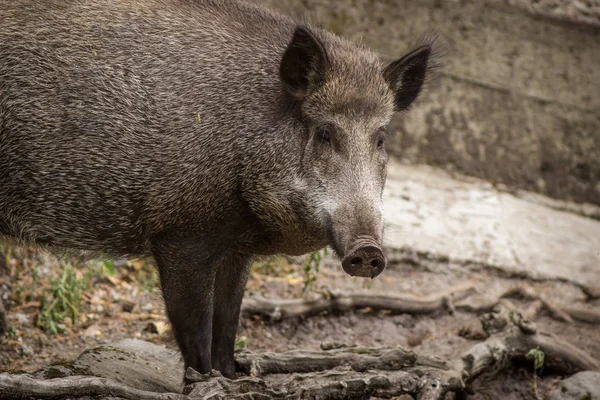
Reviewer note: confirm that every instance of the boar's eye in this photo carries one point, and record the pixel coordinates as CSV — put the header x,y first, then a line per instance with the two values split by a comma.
x,y
325,133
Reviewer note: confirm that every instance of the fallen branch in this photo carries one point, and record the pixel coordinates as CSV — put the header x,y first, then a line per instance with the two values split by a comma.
x,y
23,386
341,301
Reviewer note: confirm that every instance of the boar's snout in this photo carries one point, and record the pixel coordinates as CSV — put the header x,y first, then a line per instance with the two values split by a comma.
x,y
364,259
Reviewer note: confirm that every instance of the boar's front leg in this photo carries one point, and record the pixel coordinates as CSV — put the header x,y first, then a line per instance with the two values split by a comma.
x,y
187,268
232,276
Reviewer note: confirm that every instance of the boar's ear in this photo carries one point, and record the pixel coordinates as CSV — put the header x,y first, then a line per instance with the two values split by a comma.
x,y
406,76
304,63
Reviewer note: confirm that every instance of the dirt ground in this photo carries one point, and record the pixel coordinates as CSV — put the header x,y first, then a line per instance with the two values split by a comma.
x,y
128,305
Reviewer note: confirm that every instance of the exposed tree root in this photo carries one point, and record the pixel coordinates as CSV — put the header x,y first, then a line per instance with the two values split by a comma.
x,y
564,314
331,385
359,359
341,301
584,315
511,337
23,386
399,371
527,292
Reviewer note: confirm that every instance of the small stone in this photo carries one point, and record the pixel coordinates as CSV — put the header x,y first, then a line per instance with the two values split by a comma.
x,y
42,339
127,306
93,331
148,307
26,350
110,310
158,327
93,316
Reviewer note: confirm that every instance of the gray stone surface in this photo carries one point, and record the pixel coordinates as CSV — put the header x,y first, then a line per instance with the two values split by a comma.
x,y
581,386
428,210
518,100
135,363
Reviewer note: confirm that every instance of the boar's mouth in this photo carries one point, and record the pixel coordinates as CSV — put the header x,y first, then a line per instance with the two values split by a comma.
x,y
362,256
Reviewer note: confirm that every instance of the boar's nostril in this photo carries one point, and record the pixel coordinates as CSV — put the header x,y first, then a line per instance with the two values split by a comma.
x,y
356,261
375,264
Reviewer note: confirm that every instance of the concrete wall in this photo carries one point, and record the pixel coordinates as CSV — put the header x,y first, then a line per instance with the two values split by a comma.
x,y
518,100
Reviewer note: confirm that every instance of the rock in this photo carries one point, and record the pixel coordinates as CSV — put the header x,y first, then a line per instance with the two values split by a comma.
x,y
42,339
470,220
135,363
581,386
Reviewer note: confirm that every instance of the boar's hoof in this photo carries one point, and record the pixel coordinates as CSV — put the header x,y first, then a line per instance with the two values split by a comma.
x,y
366,259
